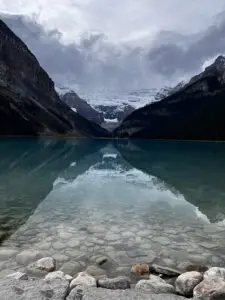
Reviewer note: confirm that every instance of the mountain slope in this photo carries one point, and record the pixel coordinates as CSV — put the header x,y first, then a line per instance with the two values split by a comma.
x,y
82,107
29,104
195,112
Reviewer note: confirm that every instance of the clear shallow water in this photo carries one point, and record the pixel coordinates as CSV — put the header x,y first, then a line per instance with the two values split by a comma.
x,y
130,201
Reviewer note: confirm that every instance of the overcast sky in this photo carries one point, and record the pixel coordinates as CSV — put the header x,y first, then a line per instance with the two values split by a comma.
x,y
148,42
120,19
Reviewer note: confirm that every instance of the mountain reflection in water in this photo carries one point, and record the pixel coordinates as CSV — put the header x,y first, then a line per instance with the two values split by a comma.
x,y
132,201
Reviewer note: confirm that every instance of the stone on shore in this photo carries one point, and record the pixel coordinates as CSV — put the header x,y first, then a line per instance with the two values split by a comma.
x,y
119,283
186,283
46,264
140,269
58,275
83,279
212,288
18,276
215,272
88,293
155,285
33,289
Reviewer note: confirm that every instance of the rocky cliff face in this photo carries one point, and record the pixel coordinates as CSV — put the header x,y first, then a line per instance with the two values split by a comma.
x,y
29,104
114,112
195,112
82,107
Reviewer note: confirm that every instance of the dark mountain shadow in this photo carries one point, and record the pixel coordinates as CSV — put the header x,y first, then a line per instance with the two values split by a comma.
x,y
196,170
28,171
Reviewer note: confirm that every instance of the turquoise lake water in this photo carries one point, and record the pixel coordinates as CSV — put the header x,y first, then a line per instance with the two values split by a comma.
x,y
132,201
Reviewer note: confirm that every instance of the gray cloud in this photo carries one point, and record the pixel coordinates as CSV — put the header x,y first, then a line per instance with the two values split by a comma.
x,y
97,63
172,58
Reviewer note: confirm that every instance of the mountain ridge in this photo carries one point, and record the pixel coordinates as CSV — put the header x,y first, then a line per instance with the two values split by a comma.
x,y
29,104
194,112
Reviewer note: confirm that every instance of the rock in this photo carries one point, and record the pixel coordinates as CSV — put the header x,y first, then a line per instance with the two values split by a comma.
x,y
18,276
188,267
71,268
215,272
161,240
155,285
197,259
112,237
122,271
119,283
33,289
44,246
210,289
6,253
140,269
46,263
61,258
95,271
83,279
83,108
32,271
27,256
101,260
136,253
58,275
186,283
87,293
58,245
163,270
73,243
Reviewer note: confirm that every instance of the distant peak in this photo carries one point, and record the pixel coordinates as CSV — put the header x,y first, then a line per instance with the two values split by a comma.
x,y
220,59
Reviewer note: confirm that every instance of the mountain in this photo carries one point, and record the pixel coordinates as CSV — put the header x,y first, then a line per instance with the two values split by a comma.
x,y
109,116
114,115
29,104
194,112
114,112
82,107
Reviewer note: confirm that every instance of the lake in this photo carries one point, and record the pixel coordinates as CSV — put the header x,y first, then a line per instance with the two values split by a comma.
x,y
129,201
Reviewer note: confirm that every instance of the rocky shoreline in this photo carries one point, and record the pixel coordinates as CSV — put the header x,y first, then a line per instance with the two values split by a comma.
x,y
41,279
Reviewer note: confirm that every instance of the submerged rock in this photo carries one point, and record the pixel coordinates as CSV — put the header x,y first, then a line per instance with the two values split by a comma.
x,y
186,283
154,268
83,279
155,285
27,256
119,283
72,268
95,271
189,267
140,269
6,253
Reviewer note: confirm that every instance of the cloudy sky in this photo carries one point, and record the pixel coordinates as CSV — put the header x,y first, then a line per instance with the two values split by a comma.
x,y
120,44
